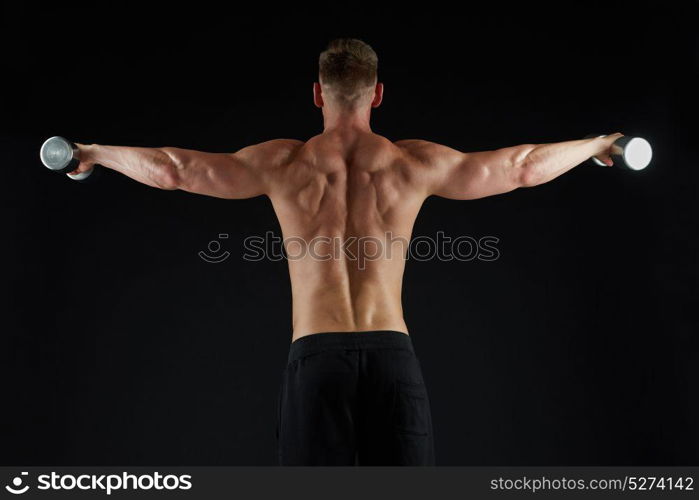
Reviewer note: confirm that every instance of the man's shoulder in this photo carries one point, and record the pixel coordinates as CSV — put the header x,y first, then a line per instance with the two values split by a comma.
x,y
277,145
415,145
419,149
272,153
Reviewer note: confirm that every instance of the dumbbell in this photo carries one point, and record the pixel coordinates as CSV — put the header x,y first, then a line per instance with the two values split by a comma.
x,y
631,152
62,156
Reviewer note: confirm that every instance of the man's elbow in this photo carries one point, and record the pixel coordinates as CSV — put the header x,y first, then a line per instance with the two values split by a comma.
x,y
168,179
528,173
167,173
528,176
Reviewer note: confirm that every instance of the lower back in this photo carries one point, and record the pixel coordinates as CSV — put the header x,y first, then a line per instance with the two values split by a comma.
x,y
335,296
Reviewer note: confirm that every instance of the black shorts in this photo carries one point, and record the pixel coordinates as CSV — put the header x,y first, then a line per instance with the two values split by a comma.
x,y
354,399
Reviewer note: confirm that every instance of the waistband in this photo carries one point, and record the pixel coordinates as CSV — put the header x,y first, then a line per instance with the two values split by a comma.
x,y
377,339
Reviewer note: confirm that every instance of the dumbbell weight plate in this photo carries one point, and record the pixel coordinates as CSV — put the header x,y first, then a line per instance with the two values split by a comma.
x,y
635,151
59,155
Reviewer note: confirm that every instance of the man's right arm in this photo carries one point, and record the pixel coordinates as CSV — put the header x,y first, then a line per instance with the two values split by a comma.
x,y
452,174
244,174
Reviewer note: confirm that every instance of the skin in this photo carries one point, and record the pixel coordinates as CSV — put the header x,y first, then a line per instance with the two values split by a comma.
x,y
344,184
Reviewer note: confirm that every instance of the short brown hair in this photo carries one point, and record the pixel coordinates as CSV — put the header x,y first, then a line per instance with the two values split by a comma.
x,y
348,66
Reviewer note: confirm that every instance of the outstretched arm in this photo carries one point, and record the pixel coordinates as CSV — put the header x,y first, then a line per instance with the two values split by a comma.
x,y
244,174
452,174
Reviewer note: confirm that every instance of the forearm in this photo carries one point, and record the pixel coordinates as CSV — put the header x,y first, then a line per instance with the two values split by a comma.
x,y
544,162
151,166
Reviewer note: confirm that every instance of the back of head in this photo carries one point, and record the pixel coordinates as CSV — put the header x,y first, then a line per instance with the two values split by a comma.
x,y
348,70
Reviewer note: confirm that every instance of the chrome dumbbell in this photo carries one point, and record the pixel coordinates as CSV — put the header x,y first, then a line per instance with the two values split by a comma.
x,y
634,153
62,156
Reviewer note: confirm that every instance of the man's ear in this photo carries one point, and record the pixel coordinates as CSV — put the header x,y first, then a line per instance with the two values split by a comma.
x,y
317,95
378,96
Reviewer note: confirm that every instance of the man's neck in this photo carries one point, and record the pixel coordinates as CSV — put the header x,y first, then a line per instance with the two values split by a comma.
x,y
344,119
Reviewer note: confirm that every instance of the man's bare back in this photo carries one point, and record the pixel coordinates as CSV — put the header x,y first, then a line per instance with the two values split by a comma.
x,y
342,200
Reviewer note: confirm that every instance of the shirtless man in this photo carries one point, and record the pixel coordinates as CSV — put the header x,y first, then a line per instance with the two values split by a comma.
x,y
352,392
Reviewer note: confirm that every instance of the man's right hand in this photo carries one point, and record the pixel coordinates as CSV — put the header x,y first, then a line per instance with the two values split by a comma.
x,y
86,162
605,147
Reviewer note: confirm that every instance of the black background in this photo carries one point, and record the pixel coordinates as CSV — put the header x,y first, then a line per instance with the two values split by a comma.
x,y
578,346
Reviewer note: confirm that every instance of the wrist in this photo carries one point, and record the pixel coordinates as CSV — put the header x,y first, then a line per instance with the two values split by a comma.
x,y
86,152
600,145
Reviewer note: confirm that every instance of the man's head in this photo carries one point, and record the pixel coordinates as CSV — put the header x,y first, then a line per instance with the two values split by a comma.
x,y
348,75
